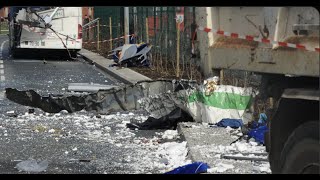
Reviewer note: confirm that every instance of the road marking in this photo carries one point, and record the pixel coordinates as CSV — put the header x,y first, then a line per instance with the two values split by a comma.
x,y
1,71
1,61
1,48
1,95
2,78
1,66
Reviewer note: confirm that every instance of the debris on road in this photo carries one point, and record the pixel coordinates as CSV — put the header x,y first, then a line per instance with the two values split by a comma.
x,y
169,121
220,168
12,114
244,158
32,166
193,168
132,55
233,123
88,87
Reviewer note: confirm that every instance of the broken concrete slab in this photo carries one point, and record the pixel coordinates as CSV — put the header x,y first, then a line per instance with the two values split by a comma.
x,y
88,87
210,144
104,101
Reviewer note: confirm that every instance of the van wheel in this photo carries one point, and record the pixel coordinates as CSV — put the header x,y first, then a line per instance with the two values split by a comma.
x,y
300,154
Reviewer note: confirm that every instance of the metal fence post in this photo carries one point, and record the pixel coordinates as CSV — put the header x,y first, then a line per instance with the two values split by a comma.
x,y
98,35
147,31
178,51
110,30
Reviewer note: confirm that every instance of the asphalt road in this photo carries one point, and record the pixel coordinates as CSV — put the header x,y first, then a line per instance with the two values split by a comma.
x,y
29,136
49,77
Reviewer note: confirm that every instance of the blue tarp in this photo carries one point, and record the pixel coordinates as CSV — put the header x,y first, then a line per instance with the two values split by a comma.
x,y
233,123
193,168
258,133
259,129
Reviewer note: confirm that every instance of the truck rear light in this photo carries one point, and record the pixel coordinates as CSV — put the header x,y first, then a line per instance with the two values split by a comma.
x,y
79,31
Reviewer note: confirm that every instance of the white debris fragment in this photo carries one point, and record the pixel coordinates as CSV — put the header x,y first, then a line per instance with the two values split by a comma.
x,y
32,166
229,128
10,112
239,134
5,134
66,152
50,82
220,168
131,114
205,124
263,168
63,89
217,155
75,149
52,131
253,143
107,128
170,134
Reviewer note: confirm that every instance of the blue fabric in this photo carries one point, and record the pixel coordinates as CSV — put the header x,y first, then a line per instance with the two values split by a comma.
x,y
193,168
262,118
233,123
258,133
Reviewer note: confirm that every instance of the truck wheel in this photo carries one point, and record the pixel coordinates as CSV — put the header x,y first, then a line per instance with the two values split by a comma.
x,y
300,154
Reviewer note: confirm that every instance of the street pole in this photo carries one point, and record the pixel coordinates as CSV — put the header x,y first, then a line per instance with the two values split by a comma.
x,y
126,24
178,51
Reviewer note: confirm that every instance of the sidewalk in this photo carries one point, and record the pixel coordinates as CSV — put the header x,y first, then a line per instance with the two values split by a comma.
x,y
125,75
208,144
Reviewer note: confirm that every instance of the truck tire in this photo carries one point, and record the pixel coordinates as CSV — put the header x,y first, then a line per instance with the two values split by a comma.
x,y
300,154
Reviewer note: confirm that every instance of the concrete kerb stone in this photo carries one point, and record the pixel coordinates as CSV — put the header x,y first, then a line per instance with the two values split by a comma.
x,y
105,69
111,71
183,137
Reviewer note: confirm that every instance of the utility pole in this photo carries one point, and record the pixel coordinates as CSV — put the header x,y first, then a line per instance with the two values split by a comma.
x,y
126,24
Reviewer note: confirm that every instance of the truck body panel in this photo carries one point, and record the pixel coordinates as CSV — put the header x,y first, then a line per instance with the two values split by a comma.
x,y
221,52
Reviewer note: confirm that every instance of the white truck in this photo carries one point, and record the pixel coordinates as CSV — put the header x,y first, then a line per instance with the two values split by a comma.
x,y
50,29
282,45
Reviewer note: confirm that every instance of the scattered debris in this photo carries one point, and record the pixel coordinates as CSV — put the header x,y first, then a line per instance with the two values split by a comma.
x,y
32,166
220,168
244,158
194,168
233,123
12,114
169,121
170,134
131,55
88,87
52,131
31,111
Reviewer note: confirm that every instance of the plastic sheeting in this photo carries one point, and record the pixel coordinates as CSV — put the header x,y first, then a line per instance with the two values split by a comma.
x,y
194,168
